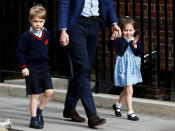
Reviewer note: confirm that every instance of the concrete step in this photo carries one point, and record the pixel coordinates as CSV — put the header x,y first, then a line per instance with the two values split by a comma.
x,y
58,83
140,105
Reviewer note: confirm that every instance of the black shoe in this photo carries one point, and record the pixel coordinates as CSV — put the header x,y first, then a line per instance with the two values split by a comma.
x,y
35,125
40,119
67,113
117,113
133,118
95,120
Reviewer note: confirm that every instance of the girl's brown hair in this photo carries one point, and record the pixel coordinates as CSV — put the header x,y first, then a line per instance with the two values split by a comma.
x,y
127,20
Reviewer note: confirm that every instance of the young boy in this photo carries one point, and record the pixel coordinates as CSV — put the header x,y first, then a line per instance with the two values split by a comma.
x,y
33,55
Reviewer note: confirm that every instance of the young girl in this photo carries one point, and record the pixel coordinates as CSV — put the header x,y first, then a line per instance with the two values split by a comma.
x,y
127,68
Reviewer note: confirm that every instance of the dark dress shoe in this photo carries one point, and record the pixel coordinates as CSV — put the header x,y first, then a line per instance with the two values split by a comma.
x,y
117,113
40,119
133,118
67,113
95,120
35,124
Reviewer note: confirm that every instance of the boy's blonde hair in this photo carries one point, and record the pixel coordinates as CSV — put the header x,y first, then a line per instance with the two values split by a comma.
x,y
38,11
127,20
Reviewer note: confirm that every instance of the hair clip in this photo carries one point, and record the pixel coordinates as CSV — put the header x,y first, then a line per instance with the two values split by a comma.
x,y
34,3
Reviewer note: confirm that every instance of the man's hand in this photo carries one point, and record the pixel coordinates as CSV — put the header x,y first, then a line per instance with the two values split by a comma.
x,y
64,38
116,30
114,35
25,72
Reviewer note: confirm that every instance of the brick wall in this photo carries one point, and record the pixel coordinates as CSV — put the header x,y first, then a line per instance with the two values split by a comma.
x,y
153,29
151,34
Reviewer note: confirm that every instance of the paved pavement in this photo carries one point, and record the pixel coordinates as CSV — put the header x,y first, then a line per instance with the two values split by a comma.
x,y
17,109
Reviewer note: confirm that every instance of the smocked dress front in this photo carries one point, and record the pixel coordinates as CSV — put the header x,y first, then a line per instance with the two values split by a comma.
x,y
127,69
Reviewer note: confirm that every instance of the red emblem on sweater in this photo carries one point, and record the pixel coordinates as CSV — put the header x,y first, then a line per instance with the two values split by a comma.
x,y
46,42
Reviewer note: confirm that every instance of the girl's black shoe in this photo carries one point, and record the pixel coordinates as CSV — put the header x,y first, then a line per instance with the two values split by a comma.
x,y
117,113
133,117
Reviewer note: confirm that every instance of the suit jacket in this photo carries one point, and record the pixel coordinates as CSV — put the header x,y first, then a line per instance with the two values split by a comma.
x,y
121,45
69,11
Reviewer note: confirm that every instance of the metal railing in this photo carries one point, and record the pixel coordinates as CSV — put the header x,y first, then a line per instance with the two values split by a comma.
x,y
15,22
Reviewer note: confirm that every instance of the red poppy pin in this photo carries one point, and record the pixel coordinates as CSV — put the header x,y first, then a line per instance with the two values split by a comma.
x,y
46,42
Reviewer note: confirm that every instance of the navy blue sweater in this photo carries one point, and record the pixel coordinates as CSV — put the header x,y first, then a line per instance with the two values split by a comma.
x,y
33,50
121,44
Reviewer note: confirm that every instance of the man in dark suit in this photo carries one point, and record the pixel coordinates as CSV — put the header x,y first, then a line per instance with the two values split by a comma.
x,y
78,22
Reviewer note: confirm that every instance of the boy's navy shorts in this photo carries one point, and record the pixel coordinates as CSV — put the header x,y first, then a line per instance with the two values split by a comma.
x,y
39,79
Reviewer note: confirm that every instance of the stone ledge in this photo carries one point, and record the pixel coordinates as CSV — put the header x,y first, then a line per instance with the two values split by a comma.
x,y
140,105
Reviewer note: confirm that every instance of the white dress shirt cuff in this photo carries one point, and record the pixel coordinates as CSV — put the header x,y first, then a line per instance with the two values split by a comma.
x,y
63,29
113,24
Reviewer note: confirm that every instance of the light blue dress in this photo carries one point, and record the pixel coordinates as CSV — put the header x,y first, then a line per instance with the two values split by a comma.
x,y
127,69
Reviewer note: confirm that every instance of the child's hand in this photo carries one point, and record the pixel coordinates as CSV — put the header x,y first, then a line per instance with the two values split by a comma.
x,y
25,72
135,41
114,35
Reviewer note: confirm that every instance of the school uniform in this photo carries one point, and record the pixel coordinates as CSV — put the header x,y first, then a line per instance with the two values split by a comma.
x,y
128,62
33,53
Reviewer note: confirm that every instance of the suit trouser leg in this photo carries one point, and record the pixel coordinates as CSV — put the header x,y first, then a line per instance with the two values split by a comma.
x,y
83,42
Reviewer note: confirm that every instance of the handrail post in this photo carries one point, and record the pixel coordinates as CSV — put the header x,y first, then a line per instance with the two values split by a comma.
x,y
1,77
